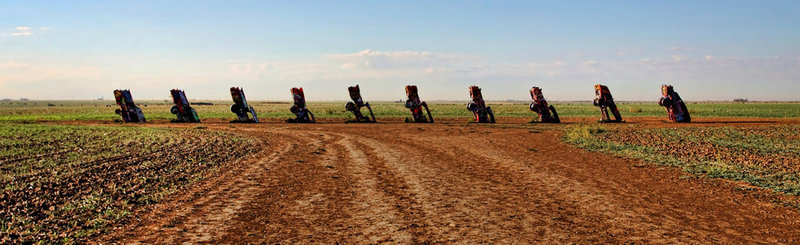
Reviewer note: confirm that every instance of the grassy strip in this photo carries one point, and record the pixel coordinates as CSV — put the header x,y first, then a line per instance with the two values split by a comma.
x,y
591,137
16,111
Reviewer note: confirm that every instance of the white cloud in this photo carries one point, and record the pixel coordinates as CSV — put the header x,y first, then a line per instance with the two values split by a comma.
x,y
26,31
392,59
677,58
365,64
393,54
546,65
12,65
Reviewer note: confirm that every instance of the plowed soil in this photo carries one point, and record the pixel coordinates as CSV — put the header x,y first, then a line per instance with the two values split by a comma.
x,y
455,182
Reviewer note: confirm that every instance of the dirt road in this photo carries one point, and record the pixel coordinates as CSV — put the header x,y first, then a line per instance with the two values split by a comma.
x,y
452,182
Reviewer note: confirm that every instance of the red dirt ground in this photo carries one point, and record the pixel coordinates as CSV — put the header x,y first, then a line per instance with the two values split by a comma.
x,y
455,182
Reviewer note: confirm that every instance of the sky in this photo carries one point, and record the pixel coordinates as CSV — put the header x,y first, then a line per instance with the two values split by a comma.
x,y
709,50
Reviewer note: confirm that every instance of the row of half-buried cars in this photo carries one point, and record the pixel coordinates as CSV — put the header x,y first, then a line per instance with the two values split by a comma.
x,y
676,108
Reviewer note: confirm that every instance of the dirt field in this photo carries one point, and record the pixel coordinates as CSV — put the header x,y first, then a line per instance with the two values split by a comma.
x,y
454,182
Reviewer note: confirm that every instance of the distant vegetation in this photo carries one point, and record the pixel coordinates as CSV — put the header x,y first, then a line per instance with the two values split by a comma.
x,y
159,111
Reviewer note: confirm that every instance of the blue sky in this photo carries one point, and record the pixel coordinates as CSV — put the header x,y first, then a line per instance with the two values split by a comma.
x,y
710,50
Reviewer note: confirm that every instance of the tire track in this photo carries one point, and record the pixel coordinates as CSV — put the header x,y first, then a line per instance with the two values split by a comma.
x,y
575,198
461,184
304,198
391,214
212,205
339,194
460,195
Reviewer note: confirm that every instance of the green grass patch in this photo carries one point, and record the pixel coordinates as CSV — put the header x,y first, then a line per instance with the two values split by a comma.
x,y
31,111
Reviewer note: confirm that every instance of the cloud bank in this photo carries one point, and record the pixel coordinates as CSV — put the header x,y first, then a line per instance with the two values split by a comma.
x,y
697,77
441,76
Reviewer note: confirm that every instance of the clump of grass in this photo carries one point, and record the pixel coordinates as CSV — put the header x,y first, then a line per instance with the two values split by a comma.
x,y
584,134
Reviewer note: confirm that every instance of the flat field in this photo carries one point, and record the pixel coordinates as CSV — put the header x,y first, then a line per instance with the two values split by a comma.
x,y
33,111
71,173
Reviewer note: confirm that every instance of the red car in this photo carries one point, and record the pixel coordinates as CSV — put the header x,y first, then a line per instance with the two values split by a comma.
x,y
482,113
676,109
415,105
299,108
127,108
241,108
605,101
356,105
182,109
547,113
